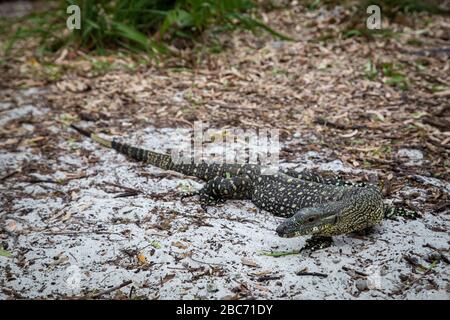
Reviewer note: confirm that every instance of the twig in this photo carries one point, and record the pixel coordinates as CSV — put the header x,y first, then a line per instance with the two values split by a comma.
x,y
278,254
345,268
122,187
325,122
208,263
409,285
268,277
132,289
129,192
314,274
429,245
8,175
74,233
241,220
13,293
439,251
120,286
37,180
413,261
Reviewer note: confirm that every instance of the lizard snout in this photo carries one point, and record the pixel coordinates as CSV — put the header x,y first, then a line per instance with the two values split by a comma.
x,y
286,229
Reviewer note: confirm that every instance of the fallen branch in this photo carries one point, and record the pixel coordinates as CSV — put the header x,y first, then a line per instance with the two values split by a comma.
x,y
129,192
325,122
345,268
266,278
8,175
314,274
278,254
107,291
208,263
75,233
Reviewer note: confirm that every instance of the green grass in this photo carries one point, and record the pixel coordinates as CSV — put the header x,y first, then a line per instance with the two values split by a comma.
x,y
389,71
357,31
136,25
278,254
393,76
102,66
370,70
414,42
394,7
155,244
389,10
4,253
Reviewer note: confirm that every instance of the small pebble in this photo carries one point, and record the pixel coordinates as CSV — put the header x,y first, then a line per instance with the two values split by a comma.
x,y
362,284
210,287
403,277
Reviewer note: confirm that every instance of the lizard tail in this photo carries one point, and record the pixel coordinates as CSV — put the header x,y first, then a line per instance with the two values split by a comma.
x,y
93,136
159,160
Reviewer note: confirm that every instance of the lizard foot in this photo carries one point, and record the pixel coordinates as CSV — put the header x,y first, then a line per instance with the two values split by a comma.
x,y
317,243
208,200
392,213
189,195
204,198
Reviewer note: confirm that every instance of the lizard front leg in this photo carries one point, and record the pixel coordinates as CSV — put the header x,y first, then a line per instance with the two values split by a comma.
x,y
220,189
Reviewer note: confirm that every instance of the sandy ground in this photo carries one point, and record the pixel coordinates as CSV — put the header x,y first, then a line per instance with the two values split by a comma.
x,y
101,220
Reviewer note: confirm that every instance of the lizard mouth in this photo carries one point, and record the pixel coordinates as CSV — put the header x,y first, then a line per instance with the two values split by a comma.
x,y
289,235
289,229
284,233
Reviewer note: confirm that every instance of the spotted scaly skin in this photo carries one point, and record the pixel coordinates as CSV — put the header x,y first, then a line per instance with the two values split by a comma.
x,y
312,204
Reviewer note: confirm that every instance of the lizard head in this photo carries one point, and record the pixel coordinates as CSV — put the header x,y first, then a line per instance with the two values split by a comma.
x,y
309,221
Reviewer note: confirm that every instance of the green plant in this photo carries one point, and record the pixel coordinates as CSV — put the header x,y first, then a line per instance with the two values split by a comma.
x,y
138,25
414,42
359,31
393,7
393,76
370,70
389,71
151,24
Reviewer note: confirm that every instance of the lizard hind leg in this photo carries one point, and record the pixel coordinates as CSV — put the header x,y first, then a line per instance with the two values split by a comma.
x,y
392,212
220,189
205,198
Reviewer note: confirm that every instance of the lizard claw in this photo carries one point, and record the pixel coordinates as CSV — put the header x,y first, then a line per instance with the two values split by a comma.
x,y
188,195
317,243
205,199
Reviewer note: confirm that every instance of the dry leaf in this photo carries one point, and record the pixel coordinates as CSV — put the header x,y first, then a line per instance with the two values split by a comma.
x,y
10,225
66,217
142,259
349,135
179,245
167,278
249,263
61,259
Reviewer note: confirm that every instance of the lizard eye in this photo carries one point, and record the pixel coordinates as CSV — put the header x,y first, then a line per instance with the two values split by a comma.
x,y
311,219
